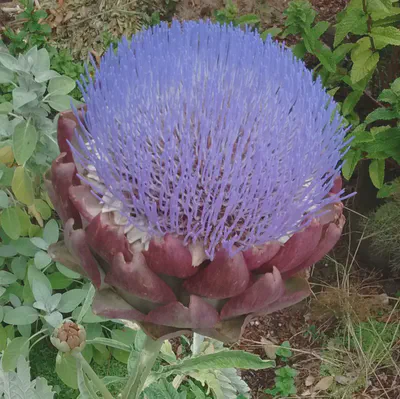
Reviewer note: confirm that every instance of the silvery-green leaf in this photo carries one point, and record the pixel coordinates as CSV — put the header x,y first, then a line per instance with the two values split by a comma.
x,y
21,315
7,278
41,291
25,330
8,61
60,102
32,56
43,390
24,246
42,64
70,300
6,76
42,259
40,306
40,243
61,85
6,107
18,266
6,128
22,97
2,291
67,272
51,232
15,301
53,302
41,77
3,199
23,64
36,275
1,312
24,141
54,319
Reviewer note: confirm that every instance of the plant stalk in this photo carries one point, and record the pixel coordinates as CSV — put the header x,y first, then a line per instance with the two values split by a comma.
x,y
148,356
97,381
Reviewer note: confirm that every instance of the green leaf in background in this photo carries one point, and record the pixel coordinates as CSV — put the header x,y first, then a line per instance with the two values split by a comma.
x,y
22,186
17,347
61,85
36,275
354,21
59,281
24,221
381,114
6,76
24,246
70,300
364,60
22,97
18,266
220,360
6,107
67,272
274,31
41,291
42,208
377,172
350,102
60,102
10,223
3,199
112,343
384,36
163,389
7,278
21,315
87,304
125,336
42,259
25,138
42,63
66,370
3,338
39,243
51,232
351,159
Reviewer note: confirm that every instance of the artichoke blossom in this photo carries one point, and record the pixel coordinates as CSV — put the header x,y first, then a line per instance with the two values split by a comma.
x,y
200,181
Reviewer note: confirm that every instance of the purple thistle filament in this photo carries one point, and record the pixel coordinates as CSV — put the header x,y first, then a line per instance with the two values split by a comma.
x,y
208,132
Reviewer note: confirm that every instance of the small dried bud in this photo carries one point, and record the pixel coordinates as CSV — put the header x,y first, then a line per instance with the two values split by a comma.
x,y
69,337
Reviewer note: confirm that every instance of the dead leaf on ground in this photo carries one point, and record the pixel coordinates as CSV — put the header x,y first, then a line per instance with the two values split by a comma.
x,y
324,384
269,348
309,381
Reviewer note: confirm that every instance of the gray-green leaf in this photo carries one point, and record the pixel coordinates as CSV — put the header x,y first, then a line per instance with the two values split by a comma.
x,y
22,97
61,85
25,138
22,315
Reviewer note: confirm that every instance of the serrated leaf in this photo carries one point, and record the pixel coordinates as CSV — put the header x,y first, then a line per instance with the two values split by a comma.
x,y
351,159
381,114
10,223
350,102
384,36
22,315
25,138
388,96
364,63
354,21
221,360
22,186
377,172
163,390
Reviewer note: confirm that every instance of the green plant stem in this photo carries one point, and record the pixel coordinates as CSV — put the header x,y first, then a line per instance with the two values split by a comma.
x,y
148,356
98,383
369,23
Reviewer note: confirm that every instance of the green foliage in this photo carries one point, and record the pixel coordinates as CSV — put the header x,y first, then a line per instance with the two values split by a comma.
x,y
230,15
284,376
34,31
363,29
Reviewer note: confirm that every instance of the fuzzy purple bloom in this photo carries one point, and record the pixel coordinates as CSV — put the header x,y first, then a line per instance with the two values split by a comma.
x,y
207,132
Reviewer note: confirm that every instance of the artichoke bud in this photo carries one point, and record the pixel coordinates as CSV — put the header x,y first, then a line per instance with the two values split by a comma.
x,y
69,337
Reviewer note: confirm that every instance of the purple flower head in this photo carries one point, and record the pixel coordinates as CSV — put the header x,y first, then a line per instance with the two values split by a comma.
x,y
207,132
